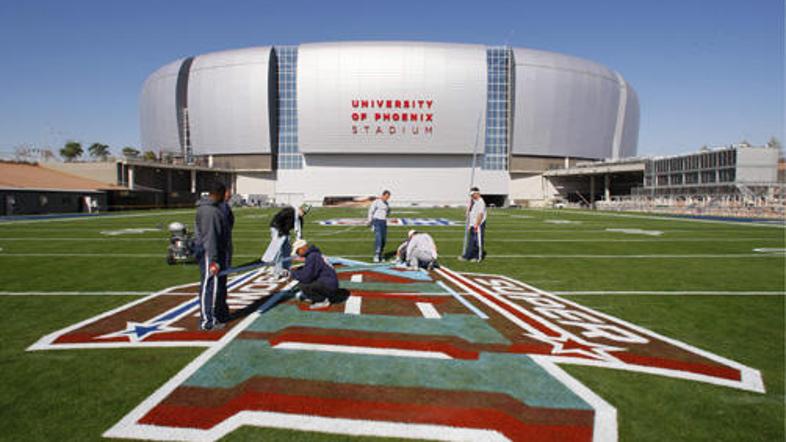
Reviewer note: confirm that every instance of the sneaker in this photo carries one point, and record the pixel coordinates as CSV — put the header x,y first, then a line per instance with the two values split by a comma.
x,y
299,296
216,326
461,258
376,259
319,305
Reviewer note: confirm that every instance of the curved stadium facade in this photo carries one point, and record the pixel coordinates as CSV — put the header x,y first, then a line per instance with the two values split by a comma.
x,y
301,123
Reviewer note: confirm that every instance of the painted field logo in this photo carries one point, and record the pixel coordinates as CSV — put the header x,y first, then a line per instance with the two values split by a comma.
x,y
438,355
394,222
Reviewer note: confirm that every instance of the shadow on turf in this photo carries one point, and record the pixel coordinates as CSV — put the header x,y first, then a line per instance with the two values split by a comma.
x,y
260,304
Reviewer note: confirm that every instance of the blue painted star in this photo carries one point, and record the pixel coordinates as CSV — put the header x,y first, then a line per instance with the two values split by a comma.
x,y
138,331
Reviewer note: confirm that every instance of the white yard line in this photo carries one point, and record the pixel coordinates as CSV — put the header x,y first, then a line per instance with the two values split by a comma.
x,y
103,293
101,217
457,238
680,218
353,304
598,240
428,311
671,293
362,350
555,256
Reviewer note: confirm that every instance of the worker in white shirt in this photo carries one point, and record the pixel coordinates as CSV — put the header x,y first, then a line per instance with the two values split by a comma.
x,y
421,251
378,220
476,223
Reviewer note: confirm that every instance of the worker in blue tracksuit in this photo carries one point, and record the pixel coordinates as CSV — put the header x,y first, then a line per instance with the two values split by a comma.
x,y
317,279
212,239
226,211
378,220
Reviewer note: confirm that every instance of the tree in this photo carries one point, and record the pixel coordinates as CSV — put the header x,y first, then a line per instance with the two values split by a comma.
x,y
774,142
23,152
47,155
99,151
71,150
130,152
149,156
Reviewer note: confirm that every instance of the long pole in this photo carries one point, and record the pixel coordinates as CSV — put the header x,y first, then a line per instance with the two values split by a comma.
x,y
471,184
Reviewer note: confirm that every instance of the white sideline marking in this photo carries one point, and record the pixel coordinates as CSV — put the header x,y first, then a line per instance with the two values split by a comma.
x,y
670,293
770,250
73,293
680,218
428,311
101,217
605,425
352,306
362,350
637,232
357,277
561,221
129,231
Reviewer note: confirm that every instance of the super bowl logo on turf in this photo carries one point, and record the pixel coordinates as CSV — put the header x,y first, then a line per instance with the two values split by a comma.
x,y
432,355
424,222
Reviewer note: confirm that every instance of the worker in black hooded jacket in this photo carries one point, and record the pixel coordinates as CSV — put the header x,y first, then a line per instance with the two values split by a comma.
x,y
287,219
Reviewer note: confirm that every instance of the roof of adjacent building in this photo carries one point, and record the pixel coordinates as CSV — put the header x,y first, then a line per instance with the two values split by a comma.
x,y
27,176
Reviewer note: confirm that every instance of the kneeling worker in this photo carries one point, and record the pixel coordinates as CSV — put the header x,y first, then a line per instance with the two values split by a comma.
x,y
318,282
421,250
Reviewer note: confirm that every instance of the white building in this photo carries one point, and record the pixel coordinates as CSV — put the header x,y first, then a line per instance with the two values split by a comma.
x,y
301,123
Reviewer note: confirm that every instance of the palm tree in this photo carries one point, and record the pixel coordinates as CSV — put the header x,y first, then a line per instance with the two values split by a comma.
x,y
99,151
130,152
71,150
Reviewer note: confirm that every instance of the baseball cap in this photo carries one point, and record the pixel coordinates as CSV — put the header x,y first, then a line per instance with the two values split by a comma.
x,y
298,244
410,233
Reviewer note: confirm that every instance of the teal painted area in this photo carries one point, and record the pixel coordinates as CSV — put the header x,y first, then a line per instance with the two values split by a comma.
x,y
391,287
385,269
515,375
468,327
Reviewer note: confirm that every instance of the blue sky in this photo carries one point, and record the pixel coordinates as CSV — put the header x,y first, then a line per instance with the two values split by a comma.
x,y
707,72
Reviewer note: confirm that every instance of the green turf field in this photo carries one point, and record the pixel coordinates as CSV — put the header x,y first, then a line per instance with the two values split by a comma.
x,y
699,282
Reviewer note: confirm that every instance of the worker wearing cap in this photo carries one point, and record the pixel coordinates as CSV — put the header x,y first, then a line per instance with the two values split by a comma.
x,y
318,282
378,220
421,251
476,224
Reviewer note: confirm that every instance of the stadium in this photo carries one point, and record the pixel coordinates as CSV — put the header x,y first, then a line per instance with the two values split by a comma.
x,y
326,120
657,315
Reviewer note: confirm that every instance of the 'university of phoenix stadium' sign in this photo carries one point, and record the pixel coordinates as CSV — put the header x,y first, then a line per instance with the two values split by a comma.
x,y
390,117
